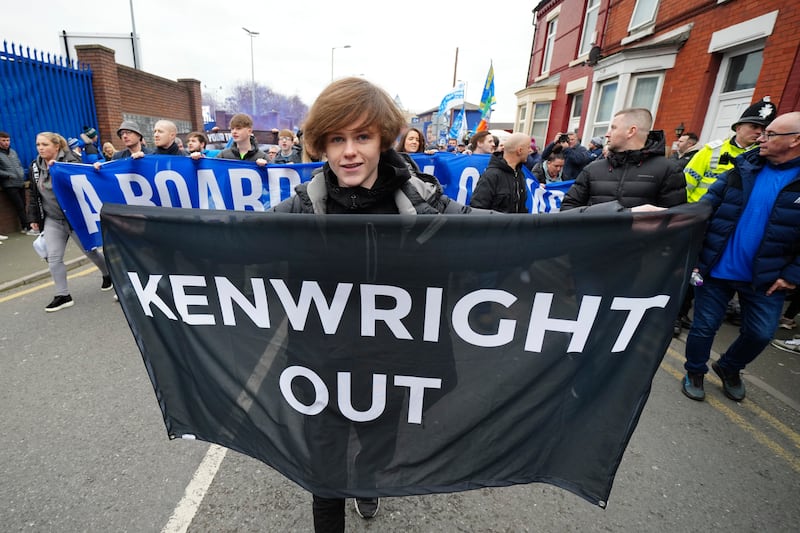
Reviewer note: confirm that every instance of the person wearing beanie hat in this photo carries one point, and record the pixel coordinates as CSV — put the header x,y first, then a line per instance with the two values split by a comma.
x,y
290,153
596,148
76,147
534,158
91,153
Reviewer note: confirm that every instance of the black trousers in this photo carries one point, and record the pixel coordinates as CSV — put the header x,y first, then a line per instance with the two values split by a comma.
x,y
328,515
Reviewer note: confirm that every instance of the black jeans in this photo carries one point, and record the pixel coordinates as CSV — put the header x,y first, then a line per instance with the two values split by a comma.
x,y
328,514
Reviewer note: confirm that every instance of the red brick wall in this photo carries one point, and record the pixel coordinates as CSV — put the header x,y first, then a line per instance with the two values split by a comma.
x,y
567,42
688,86
121,90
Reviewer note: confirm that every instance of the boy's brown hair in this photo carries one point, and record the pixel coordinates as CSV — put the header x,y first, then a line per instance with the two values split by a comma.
x,y
241,120
350,101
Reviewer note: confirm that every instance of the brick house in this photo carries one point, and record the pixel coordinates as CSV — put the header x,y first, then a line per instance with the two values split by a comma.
x,y
696,64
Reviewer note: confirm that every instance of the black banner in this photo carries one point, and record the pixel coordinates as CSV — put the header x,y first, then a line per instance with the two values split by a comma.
x,y
394,355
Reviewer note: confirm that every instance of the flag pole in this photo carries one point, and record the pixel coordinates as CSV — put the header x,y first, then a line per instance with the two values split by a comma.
x,y
455,68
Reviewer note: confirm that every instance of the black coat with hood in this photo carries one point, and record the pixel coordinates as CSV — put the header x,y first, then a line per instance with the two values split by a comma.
x,y
500,187
632,177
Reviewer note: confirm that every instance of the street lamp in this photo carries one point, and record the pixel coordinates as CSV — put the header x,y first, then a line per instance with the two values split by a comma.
x,y
252,68
332,49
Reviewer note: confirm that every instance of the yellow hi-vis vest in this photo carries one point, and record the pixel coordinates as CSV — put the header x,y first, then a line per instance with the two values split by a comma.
x,y
703,168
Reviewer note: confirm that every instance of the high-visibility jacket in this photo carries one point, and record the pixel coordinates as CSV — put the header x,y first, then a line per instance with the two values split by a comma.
x,y
709,162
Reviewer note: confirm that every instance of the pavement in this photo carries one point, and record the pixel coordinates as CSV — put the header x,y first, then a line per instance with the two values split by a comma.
x,y
19,264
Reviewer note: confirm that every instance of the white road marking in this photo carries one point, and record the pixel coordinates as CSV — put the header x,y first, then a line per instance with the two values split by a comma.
x,y
196,490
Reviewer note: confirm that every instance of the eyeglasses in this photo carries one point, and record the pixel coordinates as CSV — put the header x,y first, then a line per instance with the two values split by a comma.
x,y
770,134
285,138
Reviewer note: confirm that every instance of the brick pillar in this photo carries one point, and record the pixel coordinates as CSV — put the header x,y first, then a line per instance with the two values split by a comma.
x,y
105,83
195,98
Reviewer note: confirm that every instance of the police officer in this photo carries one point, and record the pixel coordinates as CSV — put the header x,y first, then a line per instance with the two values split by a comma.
x,y
717,156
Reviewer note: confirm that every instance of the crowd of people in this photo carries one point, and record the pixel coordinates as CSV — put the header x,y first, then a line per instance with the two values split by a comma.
x,y
751,181
750,247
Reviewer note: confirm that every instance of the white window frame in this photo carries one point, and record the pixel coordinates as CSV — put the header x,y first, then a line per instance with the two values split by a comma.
x,y
656,56
549,43
633,84
589,34
534,121
575,115
642,5
596,125
522,113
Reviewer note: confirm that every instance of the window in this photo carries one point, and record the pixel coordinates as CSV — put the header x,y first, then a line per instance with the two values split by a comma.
x,y
644,92
522,111
589,26
605,107
743,71
549,44
575,112
541,119
643,14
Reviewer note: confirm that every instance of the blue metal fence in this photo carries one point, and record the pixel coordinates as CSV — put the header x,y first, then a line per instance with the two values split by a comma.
x,y
42,93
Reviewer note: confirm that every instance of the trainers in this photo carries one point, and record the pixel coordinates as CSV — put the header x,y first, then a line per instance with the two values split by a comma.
x,y
732,384
692,386
3,237
787,323
59,303
32,232
107,285
788,345
367,507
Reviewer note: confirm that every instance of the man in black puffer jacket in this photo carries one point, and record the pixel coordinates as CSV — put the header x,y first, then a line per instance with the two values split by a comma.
x,y
502,187
635,171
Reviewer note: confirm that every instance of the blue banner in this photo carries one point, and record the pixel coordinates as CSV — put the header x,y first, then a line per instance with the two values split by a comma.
x,y
170,181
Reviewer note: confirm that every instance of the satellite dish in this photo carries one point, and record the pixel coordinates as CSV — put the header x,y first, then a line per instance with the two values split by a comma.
x,y
594,56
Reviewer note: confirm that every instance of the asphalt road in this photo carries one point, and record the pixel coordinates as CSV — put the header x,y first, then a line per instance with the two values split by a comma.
x,y
83,448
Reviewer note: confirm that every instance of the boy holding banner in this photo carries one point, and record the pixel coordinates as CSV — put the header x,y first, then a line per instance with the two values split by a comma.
x,y
354,124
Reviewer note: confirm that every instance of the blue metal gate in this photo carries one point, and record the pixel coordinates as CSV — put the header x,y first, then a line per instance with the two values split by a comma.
x,y
39,93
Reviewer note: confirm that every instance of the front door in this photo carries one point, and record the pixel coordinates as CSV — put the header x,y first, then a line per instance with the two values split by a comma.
x,y
733,93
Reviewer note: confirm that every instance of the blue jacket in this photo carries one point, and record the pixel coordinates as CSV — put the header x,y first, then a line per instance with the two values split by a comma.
x,y
778,254
575,159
